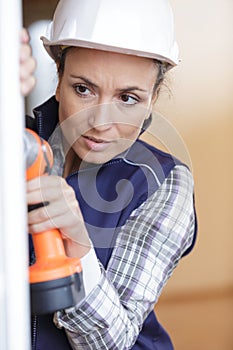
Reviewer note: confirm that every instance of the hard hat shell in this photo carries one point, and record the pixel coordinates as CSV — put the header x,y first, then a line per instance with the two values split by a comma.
x,y
139,27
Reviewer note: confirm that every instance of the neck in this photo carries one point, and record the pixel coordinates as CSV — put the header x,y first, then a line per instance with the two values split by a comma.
x,y
72,163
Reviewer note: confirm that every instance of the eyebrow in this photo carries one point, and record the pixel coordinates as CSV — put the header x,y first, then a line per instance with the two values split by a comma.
x,y
89,82
132,88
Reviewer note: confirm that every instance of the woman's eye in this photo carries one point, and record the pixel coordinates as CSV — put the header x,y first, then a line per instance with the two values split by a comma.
x,y
82,90
129,100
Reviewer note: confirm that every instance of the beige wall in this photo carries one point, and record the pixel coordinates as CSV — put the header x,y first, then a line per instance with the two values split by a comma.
x,y
201,109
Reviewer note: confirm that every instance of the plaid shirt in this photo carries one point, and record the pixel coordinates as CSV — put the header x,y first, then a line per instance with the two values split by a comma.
x,y
147,250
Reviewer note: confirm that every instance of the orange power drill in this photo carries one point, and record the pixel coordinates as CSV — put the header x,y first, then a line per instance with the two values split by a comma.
x,y
55,281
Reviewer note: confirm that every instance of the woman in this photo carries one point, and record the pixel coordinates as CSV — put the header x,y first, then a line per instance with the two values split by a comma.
x,y
123,207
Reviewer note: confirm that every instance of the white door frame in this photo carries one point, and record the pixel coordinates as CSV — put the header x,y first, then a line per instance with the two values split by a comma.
x,y
14,289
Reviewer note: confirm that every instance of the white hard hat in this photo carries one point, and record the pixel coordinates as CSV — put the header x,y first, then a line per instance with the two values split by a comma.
x,y
139,27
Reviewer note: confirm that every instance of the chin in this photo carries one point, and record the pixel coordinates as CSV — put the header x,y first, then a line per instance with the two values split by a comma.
x,y
96,160
97,157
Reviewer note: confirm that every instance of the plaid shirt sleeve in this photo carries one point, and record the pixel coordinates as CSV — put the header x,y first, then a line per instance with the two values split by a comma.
x,y
147,250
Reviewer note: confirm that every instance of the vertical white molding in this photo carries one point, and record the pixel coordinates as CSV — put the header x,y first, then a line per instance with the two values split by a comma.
x,y
14,295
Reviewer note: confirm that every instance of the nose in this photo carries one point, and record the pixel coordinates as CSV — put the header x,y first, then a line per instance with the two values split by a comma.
x,y
100,117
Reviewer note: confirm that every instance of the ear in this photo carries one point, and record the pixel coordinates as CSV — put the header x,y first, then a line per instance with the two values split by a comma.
x,y
148,119
154,97
152,102
146,123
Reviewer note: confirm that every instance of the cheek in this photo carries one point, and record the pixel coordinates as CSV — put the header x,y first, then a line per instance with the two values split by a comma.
x,y
129,132
73,122
67,100
68,108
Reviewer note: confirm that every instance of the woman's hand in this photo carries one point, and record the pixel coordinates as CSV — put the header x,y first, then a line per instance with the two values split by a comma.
x,y
62,212
27,64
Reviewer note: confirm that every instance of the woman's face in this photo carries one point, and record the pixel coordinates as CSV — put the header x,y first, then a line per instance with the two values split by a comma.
x,y
104,99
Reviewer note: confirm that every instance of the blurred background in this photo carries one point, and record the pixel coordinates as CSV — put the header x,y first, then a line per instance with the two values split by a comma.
x,y
194,120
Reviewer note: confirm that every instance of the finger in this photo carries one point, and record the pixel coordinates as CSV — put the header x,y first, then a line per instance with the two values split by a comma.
x,y
44,219
44,181
36,196
24,36
27,86
41,227
25,52
50,188
41,189
50,212
59,213
27,68
76,234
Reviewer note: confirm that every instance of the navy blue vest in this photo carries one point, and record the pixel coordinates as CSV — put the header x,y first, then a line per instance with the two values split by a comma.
x,y
107,195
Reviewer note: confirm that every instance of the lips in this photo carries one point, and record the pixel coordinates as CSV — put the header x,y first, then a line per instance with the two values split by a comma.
x,y
93,139
95,144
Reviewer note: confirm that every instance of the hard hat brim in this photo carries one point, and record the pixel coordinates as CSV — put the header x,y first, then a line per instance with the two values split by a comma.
x,y
53,49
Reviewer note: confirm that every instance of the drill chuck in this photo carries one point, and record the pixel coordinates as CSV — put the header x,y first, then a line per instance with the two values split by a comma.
x,y
38,155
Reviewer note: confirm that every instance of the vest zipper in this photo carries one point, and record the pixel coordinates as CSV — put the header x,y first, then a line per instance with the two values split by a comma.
x,y
34,331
